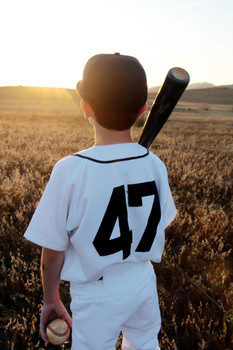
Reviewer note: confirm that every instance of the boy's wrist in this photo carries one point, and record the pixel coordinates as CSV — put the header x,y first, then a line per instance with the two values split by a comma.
x,y
50,299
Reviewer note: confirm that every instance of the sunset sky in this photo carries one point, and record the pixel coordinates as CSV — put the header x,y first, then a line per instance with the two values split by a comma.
x,y
47,42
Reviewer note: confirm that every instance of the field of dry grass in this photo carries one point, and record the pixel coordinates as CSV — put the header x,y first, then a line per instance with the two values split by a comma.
x,y
195,278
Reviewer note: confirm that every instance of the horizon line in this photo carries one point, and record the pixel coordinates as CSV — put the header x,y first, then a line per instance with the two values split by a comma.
x,y
70,88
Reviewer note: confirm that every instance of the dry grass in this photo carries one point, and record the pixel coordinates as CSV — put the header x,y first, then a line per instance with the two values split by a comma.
x,y
195,278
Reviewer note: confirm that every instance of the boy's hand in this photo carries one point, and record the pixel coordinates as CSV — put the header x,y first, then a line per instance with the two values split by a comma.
x,y
49,313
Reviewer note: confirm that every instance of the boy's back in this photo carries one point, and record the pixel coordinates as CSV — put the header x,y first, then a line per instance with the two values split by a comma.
x,y
112,207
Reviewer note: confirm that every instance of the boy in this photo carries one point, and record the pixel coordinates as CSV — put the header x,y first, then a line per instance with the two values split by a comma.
x,y
102,217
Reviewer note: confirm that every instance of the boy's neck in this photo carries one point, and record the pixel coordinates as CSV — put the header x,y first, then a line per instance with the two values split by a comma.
x,y
107,137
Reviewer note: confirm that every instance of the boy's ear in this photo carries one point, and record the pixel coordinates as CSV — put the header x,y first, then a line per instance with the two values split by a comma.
x,y
87,110
142,110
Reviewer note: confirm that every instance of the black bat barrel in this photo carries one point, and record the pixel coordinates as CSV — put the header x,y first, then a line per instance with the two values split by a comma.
x,y
169,94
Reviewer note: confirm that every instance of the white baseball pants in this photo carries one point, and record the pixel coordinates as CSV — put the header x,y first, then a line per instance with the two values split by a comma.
x,y
125,299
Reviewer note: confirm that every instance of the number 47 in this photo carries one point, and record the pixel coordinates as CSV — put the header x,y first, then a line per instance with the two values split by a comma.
x,y
117,208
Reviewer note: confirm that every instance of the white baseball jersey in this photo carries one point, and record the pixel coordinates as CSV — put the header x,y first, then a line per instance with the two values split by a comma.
x,y
105,205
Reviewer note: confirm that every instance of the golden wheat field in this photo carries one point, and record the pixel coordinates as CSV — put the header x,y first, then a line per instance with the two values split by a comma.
x,y
195,277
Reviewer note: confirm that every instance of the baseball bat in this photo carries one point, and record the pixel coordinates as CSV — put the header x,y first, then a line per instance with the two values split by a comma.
x,y
175,83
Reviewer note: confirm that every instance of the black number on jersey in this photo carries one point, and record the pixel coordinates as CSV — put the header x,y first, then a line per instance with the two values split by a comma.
x,y
117,209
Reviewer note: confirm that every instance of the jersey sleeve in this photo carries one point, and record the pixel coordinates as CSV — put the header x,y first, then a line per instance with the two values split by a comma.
x,y
47,227
169,211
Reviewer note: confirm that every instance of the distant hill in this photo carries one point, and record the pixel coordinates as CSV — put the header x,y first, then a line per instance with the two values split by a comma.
x,y
226,86
215,95
154,89
212,95
203,85
37,93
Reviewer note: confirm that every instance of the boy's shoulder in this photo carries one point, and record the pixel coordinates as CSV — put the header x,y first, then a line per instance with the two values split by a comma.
x,y
70,159
155,158
158,163
66,165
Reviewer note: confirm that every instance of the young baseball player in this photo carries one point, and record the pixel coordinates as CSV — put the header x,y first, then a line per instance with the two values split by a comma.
x,y
102,217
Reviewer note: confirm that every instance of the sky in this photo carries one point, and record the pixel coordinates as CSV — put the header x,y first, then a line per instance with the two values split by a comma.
x,y
47,42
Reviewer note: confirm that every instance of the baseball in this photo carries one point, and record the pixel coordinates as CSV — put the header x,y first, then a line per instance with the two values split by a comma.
x,y
57,331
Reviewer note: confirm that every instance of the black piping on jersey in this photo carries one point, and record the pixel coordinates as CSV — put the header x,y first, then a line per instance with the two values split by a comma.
x,y
113,160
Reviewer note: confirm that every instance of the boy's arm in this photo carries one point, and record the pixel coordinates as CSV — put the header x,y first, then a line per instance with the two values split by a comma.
x,y
51,264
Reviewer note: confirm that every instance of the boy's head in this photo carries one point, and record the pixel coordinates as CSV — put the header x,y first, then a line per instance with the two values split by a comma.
x,y
115,86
